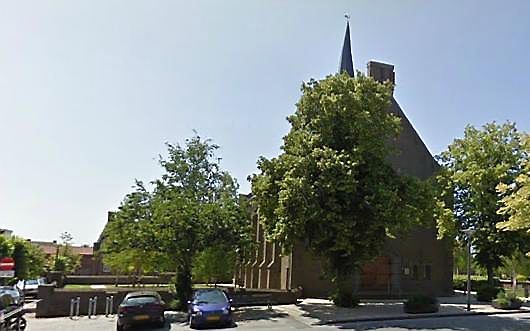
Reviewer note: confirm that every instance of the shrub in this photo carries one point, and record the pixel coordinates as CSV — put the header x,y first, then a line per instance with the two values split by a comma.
x,y
421,304
486,292
347,300
507,301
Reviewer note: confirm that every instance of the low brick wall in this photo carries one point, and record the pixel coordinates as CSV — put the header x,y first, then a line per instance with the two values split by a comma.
x,y
111,280
55,302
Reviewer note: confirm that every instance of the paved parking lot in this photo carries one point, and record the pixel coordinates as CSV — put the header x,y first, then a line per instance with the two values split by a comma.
x,y
252,321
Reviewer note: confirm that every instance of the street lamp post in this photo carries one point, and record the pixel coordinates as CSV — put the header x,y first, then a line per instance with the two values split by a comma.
x,y
469,233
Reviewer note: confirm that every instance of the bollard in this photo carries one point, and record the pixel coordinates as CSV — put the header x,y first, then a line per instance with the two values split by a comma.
x,y
78,305
74,307
90,302
109,306
72,304
95,306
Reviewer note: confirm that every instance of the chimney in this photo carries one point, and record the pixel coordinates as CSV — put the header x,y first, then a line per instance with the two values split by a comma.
x,y
381,72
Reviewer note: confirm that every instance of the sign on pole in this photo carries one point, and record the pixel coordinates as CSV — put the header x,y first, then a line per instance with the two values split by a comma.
x,y
7,267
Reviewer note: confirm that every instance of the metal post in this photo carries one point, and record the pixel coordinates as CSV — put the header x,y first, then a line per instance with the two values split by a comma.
x,y
89,307
72,304
107,307
469,273
95,306
112,304
78,305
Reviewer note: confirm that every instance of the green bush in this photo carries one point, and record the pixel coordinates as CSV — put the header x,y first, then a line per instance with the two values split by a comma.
x,y
421,304
347,300
507,301
486,292
460,282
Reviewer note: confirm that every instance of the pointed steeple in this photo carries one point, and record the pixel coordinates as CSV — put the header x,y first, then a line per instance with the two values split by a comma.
x,y
346,61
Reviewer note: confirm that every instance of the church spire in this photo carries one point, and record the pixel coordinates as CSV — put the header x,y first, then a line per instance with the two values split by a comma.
x,y
346,61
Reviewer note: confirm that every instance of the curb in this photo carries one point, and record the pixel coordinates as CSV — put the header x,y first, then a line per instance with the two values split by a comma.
x,y
413,317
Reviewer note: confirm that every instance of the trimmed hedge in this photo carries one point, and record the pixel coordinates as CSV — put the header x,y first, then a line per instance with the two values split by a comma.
x,y
487,292
421,304
460,282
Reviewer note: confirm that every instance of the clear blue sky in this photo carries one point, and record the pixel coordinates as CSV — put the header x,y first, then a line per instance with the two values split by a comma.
x,y
91,90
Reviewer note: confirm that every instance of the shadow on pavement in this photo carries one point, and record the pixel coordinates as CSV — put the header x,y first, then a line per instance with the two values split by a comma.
x,y
467,323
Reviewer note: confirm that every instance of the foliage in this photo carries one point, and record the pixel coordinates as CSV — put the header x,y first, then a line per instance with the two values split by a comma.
x,y
460,282
193,206
213,265
421,304
515,266
473,167
507,301
516,197
486,292
332,187
65,259
29,260
344,299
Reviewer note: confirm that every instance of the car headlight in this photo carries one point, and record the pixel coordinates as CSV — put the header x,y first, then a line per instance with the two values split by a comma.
x,y
197,313
226,311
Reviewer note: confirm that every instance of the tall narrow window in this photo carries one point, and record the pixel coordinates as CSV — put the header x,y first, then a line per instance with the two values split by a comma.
x,y
415,273
428,272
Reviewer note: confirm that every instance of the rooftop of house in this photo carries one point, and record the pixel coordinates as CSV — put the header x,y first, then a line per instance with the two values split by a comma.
x,y
50,248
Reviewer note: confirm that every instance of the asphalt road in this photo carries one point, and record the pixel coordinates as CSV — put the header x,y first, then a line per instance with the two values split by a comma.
x,y
515,322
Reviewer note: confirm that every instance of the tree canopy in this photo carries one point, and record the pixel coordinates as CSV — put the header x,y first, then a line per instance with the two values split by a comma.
x,y
193,206
332,186
516,197
474,166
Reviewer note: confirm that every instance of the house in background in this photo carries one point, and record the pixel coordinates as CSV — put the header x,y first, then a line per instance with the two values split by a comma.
x,y
6,233
414,263
89,265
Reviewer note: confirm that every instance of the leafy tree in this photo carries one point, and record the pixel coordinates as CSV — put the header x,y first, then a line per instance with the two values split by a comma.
x,y
65,260
193,206
6,247
196,206
214,264
129,242
516,197
473,167
30,260
332,187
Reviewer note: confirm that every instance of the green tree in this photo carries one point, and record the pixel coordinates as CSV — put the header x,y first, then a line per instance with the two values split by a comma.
x,y
516,197
65,259
213,265
196,206
332,187
30,260
473,167
193,206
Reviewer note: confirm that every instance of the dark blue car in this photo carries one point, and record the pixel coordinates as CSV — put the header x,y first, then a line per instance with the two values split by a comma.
x,y
209,306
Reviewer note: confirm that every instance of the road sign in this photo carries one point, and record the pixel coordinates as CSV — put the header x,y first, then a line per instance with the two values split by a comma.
x,y
7,273
7,263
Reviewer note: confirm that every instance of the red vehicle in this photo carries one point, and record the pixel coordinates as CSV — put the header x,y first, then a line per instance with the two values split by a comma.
x,y
139,308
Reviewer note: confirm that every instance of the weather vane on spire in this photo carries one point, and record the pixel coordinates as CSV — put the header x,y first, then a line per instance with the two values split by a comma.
x,y
347,16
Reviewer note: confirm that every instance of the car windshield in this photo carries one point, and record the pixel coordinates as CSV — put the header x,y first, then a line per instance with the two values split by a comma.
x,y
141,300
32,282
209,297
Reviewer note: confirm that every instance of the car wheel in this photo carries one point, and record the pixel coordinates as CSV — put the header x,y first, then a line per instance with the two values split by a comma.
x,y
192,324
120,327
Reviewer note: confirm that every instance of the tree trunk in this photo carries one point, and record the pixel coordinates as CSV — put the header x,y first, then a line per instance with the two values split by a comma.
x,y
344,284
183,284
489,269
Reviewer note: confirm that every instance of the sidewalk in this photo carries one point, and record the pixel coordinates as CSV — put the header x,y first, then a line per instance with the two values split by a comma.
x,y
321,312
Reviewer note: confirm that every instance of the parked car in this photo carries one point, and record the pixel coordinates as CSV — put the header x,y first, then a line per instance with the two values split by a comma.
x,y
138,308
11,311
30,287
13,292
210,306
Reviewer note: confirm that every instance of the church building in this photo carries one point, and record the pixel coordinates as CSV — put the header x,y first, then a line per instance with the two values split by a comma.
x,y
412,264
